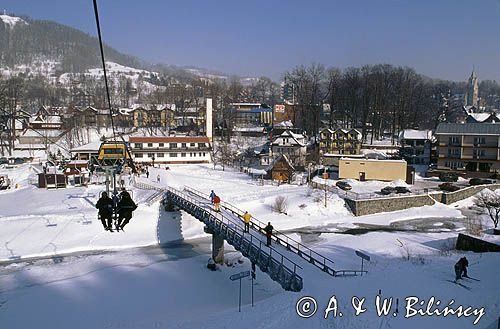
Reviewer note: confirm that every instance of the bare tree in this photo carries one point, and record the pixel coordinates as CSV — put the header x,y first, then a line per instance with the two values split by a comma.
x,y
280,205
489,203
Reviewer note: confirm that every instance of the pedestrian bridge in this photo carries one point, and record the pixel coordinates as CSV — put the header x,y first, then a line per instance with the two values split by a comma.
x,y
251,244
282,261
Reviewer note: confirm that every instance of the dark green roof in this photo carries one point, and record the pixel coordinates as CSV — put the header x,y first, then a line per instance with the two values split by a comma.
x,y
468,129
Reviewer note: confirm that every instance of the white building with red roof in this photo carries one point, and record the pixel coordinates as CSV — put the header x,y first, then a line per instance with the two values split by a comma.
x,y
170,149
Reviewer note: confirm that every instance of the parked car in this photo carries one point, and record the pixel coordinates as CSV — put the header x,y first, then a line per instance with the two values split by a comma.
x,y
4,161
388,190
480,181
344,186
448,177
402,189
449,187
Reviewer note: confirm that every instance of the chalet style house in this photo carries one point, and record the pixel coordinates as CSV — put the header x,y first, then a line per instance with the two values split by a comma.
x,y
340,141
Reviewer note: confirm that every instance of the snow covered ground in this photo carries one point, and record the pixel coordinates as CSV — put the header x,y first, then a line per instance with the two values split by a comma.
x,y
88,278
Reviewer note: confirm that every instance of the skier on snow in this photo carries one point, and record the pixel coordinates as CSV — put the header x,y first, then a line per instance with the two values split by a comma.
x,y
461,268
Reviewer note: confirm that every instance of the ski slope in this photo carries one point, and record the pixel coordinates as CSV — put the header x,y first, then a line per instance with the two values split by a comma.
x,y
75,275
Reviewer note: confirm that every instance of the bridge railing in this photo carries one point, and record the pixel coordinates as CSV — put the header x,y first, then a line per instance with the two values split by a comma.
x,y
314,257
235,227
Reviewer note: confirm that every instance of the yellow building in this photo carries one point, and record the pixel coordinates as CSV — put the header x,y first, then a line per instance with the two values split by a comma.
x,y
371,169
153,116
340,141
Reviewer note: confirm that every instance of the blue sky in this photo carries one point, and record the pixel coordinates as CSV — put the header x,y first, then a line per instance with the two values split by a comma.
x,y
439,38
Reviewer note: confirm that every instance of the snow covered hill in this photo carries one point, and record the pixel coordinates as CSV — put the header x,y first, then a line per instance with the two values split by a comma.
x,y
11,21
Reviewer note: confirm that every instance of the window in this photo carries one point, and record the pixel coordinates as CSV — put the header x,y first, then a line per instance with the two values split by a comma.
x,y
138,145
150,144
479,140
138,155
184,145
161,155
151,155
161,145
484,167
194,154
478,153
172,145
113,151
173,155
203,153
200,153
454,152
183,155
201,145
192,144
453,140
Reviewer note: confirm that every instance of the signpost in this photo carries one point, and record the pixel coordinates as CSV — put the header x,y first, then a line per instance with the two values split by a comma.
x,y
363,257
253,278
239,276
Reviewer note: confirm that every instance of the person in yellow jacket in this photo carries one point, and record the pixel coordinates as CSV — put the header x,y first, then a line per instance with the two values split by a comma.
x,y
246,219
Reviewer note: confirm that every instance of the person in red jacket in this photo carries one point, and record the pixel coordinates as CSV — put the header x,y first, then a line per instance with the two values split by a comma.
x,y
217,203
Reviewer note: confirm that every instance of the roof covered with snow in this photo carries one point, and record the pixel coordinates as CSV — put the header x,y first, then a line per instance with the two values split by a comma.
x,y
90,147
468,129
415,134
169,139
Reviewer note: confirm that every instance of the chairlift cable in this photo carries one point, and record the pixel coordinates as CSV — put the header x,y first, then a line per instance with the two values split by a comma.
x,y
127,151
104,67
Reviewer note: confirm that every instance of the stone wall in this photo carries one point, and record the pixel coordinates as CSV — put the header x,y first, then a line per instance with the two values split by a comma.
x,y
374,206
451,197
468,243
361,207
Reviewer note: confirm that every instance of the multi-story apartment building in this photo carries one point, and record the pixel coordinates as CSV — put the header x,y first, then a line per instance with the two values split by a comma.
x,y
416,146
153,115
340,141
251,114
472,148
168,150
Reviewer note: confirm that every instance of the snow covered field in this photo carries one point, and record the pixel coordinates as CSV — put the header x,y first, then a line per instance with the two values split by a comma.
x,y
88,278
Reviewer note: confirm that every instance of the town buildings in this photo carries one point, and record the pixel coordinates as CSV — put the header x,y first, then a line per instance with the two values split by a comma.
x,y
416,146
339,141
470,148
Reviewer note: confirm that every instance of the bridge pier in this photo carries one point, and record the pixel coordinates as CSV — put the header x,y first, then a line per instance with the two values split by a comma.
x,y
217,246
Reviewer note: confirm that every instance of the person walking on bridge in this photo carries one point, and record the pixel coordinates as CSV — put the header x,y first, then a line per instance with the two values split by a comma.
x,y
269,233
246,219
217,203
212,196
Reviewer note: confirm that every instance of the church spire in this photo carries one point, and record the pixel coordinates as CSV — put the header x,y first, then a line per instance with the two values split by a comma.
x,y
472,92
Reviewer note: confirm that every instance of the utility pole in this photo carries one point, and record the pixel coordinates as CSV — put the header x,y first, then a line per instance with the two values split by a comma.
x,y
325,177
